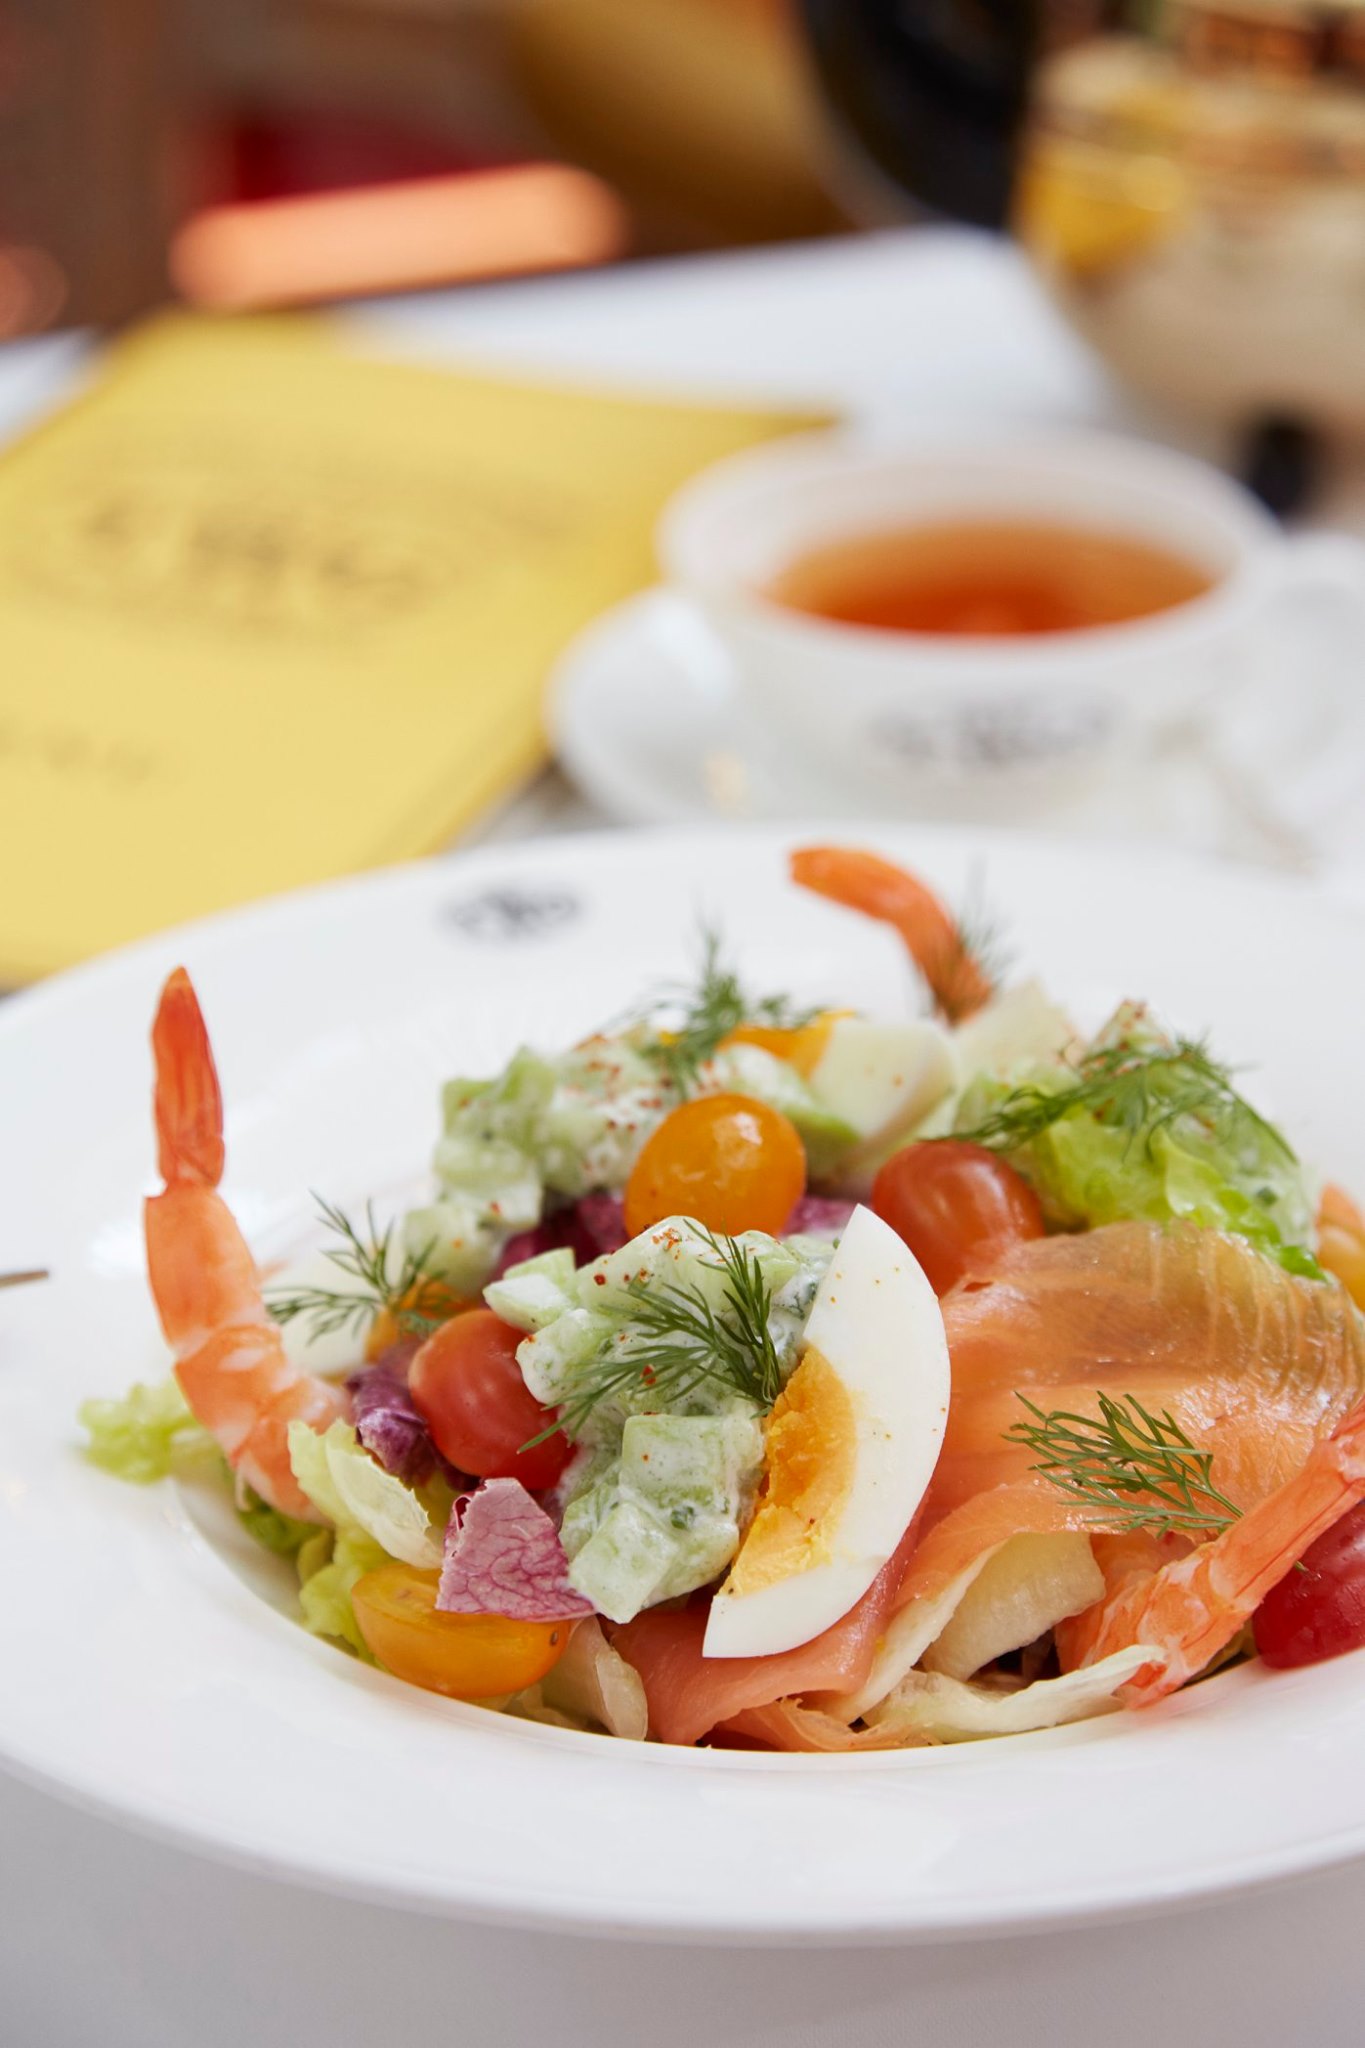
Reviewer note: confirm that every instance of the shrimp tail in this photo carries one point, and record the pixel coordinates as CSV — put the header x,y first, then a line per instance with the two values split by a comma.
x,y
878,888
230,1358
187,1100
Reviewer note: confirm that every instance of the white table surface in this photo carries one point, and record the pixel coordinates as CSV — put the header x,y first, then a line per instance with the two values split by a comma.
x,y
108,1941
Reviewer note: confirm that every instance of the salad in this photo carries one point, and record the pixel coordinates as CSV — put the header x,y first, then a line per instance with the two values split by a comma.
x,y
792,1379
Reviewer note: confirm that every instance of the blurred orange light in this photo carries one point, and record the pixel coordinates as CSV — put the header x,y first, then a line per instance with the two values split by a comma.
x,y
33,289
426,231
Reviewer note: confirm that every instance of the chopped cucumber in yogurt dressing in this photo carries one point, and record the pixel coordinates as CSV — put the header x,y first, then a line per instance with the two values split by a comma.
x,y
669,1425
561,1127
664,1515
542,1126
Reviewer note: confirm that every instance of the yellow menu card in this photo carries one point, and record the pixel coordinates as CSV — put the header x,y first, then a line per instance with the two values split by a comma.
x,y
271,611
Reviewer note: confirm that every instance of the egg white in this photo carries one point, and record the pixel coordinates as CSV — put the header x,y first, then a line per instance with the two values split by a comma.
x,y
883,1078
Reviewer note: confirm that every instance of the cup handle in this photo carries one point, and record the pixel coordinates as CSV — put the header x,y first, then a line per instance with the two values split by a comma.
x,y
1294,789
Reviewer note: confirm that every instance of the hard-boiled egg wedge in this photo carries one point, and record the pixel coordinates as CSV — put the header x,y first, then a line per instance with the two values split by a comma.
x,y
881,1079
1015,1028
849,1449
876,1081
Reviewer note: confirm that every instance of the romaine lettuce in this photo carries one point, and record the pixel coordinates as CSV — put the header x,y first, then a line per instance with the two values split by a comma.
x,y
136,1437
328,1570
375,1517
284,1534
1143,1125
346,1485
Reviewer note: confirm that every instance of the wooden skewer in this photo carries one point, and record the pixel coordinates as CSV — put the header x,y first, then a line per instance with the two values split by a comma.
x,y
22,1279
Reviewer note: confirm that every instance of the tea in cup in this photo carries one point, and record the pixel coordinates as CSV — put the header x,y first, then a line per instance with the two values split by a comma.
x,y
973,623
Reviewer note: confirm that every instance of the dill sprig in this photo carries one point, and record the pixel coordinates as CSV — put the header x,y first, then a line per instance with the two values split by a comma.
x,y
1134,1469
689,1021
674,1340
381,1284
1133,1087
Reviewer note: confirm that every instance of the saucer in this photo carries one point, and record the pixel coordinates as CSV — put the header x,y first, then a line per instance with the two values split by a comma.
x,y
646,715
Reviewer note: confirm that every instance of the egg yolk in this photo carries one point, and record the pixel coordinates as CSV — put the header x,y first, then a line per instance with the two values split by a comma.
x,y
809,1454
802,1046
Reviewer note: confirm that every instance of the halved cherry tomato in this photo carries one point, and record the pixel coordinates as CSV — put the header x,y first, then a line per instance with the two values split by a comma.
x,y
1318,1612
956,1205
728,1161
468,1656
467,1384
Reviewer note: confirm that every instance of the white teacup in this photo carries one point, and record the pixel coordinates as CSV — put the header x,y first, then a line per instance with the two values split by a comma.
x,y
979,726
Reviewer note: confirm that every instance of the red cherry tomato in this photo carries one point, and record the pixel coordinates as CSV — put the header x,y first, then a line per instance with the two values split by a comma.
x,y
1320,1611
466,1382
956,1205
727,1161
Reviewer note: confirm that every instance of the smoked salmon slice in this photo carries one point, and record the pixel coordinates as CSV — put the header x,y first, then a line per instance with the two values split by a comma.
x,y
1259,1366
1028,1507
787,1725
1255,1364
689,1694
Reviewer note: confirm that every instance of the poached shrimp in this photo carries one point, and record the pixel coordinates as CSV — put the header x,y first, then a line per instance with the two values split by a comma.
x,y
932,936
1192,1608
230,1358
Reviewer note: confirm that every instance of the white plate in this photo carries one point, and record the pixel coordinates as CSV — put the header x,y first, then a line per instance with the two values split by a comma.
x,y
143,1677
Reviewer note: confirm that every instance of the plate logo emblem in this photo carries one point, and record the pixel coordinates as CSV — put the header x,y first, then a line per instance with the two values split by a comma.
x,y
512,912
985,734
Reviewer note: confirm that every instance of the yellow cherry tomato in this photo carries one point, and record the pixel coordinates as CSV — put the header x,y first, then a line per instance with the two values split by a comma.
x,y
728,1161
467,1656
431,1299
1341,1241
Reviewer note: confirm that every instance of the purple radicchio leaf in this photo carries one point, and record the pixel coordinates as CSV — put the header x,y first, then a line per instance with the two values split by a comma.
x,y
503,1556
592,1225
819,1216
388,1421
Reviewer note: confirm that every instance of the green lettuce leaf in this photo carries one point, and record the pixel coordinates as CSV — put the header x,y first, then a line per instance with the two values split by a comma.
x,y
329,1566
136,1437
374,1518
346,1485
284,1534
1142,1125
